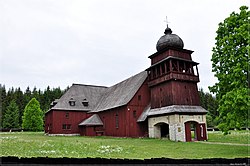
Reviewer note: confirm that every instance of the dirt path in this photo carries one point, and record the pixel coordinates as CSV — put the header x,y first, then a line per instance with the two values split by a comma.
x,y
223,143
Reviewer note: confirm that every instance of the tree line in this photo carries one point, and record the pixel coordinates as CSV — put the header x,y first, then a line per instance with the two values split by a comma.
x,y
16,105
13,102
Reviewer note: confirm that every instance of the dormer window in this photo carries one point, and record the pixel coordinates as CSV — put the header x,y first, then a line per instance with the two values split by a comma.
x,y
85,102
53,103
72,102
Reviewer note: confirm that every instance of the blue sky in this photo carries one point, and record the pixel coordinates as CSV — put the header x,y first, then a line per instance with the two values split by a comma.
x,y
100,42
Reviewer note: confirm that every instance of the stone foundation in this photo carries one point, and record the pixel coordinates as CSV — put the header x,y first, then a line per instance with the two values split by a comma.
x,y
176,125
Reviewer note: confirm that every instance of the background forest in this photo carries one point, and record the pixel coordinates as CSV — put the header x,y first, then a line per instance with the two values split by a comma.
x,y
14,100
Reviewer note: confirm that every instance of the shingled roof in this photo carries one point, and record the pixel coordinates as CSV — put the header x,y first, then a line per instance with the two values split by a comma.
x,y
169,110
78,94
100,98
94,120
177,109
121,93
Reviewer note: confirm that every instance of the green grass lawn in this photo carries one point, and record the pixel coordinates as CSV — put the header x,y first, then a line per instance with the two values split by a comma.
x,y
239,137
31,144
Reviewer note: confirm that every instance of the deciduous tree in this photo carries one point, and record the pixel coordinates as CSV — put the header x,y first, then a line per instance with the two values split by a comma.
x,y
33,116
230,63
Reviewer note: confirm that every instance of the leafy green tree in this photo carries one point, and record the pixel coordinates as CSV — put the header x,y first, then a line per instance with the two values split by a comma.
x,y
230,62
11,116
33,116
209,103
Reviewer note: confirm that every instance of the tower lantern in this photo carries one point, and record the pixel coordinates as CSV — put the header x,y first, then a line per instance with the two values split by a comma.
x,y
173,76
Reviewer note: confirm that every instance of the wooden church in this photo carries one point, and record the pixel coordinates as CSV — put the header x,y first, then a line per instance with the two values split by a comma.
x,y
162,101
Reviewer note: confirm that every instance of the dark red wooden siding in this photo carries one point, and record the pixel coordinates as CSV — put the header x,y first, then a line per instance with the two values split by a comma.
x,y
48,128
186,54
174,93
127,115
127,119
73,119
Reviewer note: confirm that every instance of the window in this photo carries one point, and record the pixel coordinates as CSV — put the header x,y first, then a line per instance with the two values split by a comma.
x,y
139,97
66,126
72,102
49,127
134,113
116,121
85,102
163,68
67,115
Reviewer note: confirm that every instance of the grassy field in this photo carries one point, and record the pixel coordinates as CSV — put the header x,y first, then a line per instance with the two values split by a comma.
x,y
30,144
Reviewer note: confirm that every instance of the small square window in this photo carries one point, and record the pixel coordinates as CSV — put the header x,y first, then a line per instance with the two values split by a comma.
x,y
68,126
72,103
64,126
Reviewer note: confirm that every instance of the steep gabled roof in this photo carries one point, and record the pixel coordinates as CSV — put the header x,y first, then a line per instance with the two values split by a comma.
x,y
121,93
94,120
100,98
78,93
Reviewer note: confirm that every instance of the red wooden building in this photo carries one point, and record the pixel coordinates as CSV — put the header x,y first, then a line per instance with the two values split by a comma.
x,y
161,101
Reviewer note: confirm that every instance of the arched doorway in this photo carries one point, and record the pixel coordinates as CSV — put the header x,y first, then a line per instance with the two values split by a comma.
x,y
161,130
195,131
192,131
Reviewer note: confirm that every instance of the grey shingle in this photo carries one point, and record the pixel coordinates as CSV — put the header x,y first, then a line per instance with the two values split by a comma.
x,y
78,93
144,114
171,109
121,93
100,98
94,120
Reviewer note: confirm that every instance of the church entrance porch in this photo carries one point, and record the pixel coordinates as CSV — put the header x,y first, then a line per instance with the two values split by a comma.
x,y
195,131
161,130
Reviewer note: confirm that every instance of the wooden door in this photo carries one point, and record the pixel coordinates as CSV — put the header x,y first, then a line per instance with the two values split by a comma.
x,y
188,131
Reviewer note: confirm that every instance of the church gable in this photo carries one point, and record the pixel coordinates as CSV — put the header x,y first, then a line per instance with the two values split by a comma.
x,y
80,97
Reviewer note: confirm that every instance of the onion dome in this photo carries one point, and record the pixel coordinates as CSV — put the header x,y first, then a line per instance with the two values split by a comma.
x,y
169,40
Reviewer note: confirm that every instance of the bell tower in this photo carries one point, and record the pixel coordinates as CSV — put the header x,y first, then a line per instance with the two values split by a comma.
x,y
173,75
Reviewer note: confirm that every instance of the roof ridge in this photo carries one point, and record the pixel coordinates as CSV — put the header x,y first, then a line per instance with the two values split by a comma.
x,y
127,79
90,85
116,89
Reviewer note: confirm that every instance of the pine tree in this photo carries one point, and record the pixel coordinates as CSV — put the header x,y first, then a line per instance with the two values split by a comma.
x,y
11,116
2,103
33,116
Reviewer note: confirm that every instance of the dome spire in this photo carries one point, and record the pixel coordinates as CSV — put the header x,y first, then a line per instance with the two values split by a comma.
x,y
166,21
167,30
169,40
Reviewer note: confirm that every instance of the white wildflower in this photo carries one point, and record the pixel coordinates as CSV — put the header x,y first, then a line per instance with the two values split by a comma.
x,y
109,149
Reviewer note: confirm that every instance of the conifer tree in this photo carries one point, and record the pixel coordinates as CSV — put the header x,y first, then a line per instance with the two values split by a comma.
x,y
11,116
33,116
